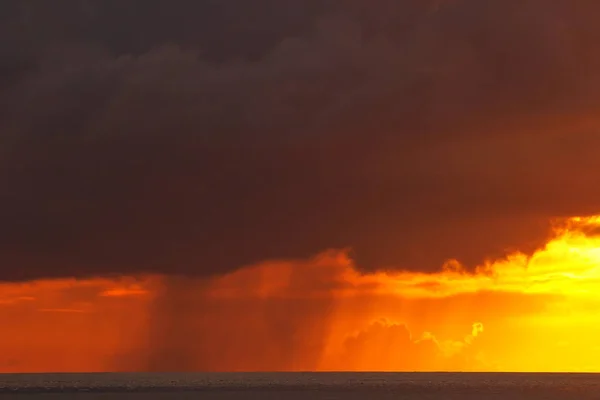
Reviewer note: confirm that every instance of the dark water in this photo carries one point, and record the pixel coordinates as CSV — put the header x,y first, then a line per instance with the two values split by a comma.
x,y
313,386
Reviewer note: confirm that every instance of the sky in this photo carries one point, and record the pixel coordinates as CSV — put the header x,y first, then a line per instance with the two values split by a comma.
x,y
284,185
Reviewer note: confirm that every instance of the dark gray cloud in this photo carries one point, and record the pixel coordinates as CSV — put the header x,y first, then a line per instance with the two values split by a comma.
x,y
194,137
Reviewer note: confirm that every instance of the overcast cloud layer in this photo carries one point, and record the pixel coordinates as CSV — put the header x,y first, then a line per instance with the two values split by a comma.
x,y
195,137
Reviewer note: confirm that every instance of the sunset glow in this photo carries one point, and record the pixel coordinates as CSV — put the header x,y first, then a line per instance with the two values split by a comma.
x,y
518,314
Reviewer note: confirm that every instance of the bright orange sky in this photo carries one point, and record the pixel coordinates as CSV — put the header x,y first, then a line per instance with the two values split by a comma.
x,y
539,314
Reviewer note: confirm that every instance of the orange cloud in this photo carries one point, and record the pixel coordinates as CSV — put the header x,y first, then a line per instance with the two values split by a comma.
x,y
517,314
134,290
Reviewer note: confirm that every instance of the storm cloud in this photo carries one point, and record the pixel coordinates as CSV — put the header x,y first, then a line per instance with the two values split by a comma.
x,y
196,137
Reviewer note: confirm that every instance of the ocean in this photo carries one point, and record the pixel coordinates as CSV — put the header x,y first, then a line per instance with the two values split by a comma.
x,y
295,386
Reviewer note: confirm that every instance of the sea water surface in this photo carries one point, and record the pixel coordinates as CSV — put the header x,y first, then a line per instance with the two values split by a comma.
x,y
313,386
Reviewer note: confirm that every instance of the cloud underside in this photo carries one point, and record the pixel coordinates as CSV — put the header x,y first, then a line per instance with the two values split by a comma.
x,y
319,314
410,132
